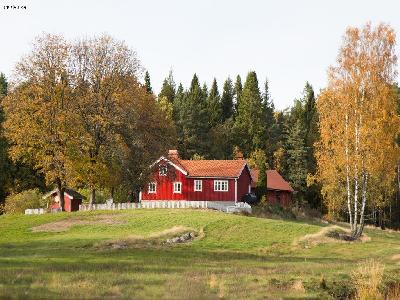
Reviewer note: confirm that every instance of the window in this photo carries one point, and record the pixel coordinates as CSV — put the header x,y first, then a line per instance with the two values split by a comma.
x,y
163,170
177,187
220,185
198,185
152,188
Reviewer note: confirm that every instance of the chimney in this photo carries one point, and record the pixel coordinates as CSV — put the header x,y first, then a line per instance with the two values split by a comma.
x,y
173,154
238,155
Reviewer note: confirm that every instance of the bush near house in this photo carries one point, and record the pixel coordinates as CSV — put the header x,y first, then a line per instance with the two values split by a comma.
x,y
17,203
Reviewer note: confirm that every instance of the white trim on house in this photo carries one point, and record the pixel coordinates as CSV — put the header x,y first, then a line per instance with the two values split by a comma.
x,y
171,163
176,190
200,189
140,196
150,190
236,183
220,185
211,177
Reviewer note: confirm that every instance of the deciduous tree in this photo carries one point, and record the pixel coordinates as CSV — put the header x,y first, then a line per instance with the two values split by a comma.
x,y
359,123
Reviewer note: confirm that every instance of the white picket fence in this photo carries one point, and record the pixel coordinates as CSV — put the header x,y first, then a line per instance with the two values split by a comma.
x,y
35,211
225,207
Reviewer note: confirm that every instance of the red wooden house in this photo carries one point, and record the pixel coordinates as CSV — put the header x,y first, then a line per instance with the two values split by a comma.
x,y
72,200
279,190
197,180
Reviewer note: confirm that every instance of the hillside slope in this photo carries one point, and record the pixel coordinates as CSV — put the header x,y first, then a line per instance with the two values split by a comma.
x,y
124,254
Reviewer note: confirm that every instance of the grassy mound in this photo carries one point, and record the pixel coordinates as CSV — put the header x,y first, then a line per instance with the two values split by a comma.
x,y
71,255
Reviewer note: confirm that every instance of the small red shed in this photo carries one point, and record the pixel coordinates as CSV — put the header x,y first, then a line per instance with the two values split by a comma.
x,y
72,200
197,180
279,190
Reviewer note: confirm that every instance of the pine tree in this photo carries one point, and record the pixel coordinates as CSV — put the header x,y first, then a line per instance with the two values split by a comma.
x,y
168,88
214,105
227,100
250,124
297,160
195,120
147,83
238,92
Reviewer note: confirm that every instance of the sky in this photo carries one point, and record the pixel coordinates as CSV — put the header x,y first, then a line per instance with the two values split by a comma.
x,y
288,42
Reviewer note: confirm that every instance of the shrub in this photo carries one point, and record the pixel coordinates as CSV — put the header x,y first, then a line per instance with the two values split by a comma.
x,y
17,203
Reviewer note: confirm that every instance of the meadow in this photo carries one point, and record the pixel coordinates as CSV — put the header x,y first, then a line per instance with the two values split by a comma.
x,y
124,255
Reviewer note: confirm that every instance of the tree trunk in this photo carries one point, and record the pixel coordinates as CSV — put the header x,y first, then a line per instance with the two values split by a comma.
x,y
92,196
364,201
112,193
348,175
60,193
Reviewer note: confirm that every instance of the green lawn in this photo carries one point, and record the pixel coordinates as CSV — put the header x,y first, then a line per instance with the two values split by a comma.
x,y
233,257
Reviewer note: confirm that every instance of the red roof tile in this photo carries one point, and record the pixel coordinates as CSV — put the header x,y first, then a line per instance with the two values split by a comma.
x,y
213,168
274,180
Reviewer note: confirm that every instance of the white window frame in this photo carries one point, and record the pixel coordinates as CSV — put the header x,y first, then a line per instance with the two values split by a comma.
x,y
221,185
176,184
200,182
150,191
166,170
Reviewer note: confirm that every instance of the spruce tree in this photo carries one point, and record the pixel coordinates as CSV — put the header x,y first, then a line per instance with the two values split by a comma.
x,y
310,121
227,100
272,137
297,160
168,88
214,105
5,163
311,135
147,83
195,120
250,127
238,92
204,91
3,85
177,115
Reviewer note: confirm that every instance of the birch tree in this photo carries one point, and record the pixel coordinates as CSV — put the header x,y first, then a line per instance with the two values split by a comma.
x,y
358,123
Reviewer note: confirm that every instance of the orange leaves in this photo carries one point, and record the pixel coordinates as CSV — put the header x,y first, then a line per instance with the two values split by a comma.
x,y
358,119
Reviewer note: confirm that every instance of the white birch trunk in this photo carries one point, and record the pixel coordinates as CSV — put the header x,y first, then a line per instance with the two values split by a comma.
x,y
364,201
354,229
348,173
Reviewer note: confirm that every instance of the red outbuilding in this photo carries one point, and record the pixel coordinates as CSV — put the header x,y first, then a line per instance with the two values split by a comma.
x,y
72,200
279,190
197,180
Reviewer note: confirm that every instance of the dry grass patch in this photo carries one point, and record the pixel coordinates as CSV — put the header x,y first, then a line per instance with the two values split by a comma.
x,y
64,225
329,234
155,239
367,279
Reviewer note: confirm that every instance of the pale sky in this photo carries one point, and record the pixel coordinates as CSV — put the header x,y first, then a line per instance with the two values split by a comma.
x,y
290,42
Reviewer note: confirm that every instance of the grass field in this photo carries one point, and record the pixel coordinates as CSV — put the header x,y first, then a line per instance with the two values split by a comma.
x,y
232,257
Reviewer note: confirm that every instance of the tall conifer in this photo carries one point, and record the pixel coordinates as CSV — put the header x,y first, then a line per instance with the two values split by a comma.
x,y
238,92
227,100
195,120
250,124
147,83
214,105
168,88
